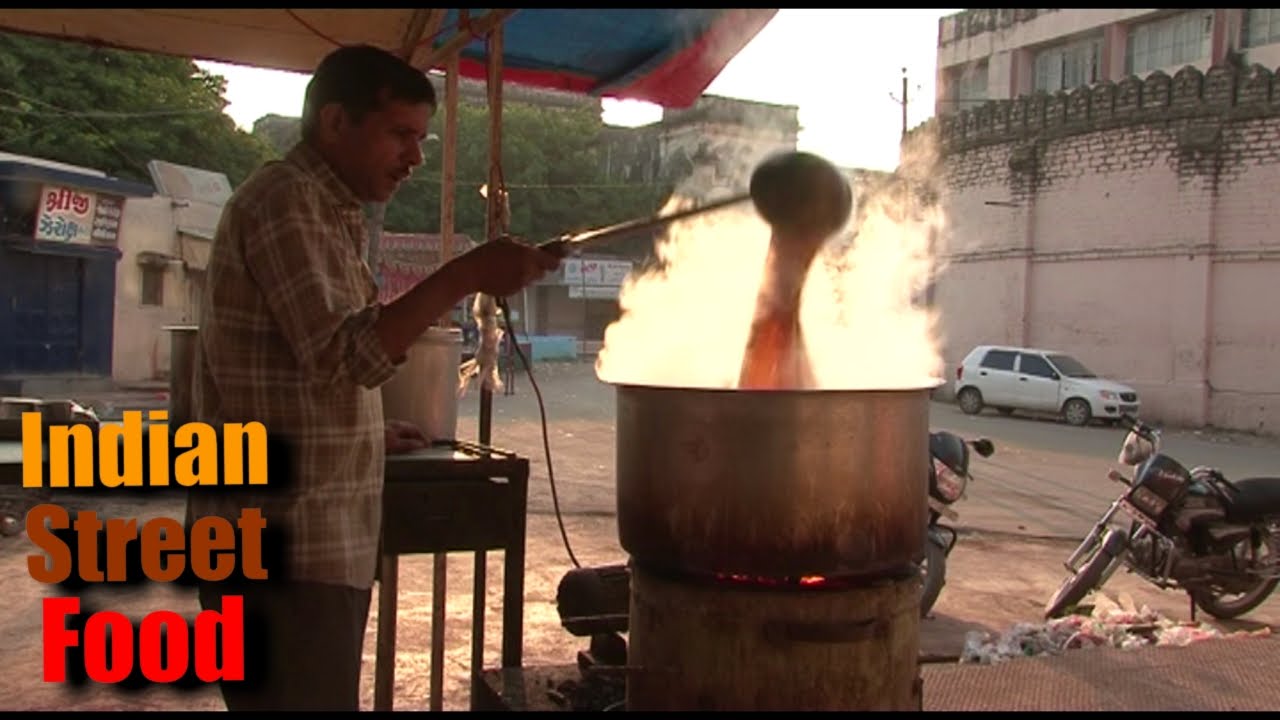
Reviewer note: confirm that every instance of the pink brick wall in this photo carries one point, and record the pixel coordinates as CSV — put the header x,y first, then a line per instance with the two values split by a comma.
x,y
1134,226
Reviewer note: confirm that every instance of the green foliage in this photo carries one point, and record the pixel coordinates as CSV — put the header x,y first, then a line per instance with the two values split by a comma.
x,y
115,110
553,171
552,168
278,132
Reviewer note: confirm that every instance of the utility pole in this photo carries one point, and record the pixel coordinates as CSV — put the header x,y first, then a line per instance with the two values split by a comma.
x,y
903,101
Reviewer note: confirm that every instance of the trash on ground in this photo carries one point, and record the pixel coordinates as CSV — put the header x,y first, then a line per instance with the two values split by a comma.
x,y
1116,624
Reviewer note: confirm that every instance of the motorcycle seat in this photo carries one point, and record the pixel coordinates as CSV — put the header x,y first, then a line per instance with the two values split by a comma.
x,y
1255,499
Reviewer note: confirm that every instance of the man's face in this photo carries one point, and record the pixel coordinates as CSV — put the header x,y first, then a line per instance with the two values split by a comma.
x,y
382,150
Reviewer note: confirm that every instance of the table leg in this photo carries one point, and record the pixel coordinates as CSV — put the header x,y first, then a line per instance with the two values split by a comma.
x,y
438,596
513,577
385,668
477,625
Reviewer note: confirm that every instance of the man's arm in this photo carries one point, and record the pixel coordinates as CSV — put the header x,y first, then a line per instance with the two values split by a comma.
x,y
498,267
297,257
300,258
404,319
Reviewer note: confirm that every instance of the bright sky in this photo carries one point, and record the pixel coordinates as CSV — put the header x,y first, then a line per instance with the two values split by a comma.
x,y
843,68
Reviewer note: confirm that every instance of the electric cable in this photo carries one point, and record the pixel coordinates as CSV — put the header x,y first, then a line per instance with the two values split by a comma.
x,y
542,412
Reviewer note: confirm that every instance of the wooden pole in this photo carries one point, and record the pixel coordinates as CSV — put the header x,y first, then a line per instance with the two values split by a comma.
x,y
479,28
449,164
448,193
420,23
493,218
904,102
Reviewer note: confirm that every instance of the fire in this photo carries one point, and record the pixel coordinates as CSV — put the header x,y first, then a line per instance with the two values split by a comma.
x,y
809,581
685,322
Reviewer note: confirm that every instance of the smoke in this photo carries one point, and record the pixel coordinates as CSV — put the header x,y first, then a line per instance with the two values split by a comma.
x,y
864,311
684,322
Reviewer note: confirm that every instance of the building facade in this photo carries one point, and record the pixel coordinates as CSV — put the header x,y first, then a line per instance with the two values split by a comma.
x,y
60,231
161,276
1105,177
999,54
1130,224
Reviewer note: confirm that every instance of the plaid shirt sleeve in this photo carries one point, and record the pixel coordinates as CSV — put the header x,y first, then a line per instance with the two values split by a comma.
x,y
298,252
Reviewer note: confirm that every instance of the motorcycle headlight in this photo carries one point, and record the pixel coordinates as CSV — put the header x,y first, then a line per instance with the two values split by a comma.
x,y
950,485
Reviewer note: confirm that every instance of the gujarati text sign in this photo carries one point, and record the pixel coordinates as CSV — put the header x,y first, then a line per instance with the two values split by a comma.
x,y
65,214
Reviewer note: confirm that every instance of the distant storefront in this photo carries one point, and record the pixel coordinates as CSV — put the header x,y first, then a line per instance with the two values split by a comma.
x,y
59,230
581,299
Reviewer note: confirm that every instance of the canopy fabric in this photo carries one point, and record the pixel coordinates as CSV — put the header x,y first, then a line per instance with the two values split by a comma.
x,y
663,56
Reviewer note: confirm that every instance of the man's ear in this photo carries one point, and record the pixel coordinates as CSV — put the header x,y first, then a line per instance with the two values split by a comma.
x,y
332,121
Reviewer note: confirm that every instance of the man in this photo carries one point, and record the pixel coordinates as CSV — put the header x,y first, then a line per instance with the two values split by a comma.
x,y
292,335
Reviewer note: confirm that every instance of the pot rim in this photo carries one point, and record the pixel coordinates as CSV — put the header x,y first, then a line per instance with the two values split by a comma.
x,y
931,385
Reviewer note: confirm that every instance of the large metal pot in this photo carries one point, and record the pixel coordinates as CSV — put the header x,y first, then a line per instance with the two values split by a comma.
x,y
772,483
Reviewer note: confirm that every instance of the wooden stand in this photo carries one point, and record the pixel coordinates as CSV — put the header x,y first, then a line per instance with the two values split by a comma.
x,y
450,498
699,646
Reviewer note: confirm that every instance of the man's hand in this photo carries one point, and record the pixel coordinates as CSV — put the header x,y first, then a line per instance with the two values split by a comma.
x,y
505,266
498,268
404,437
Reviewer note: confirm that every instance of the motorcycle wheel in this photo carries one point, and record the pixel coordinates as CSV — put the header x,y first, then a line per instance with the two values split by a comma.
x,y
1075,588
1214,604
1229,609
935,576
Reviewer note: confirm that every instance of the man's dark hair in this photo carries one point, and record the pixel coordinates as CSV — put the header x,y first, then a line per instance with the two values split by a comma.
x,y
361,78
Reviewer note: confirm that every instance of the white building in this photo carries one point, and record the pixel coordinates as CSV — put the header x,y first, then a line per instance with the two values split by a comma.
x,y
999,54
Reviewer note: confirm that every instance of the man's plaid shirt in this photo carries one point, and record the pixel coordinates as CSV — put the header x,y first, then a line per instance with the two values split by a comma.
x,y
286,337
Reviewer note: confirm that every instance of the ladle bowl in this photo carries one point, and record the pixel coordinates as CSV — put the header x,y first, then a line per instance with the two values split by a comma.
x,y
801,195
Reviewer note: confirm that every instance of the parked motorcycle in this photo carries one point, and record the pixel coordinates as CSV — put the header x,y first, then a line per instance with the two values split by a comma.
x,y
1189,530
948,478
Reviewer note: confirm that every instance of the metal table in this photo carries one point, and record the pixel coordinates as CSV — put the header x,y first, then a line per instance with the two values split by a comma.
x,y
456,496
453,497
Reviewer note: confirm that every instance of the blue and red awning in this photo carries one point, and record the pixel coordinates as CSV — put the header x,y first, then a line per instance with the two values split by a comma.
x,y
668,57
664,56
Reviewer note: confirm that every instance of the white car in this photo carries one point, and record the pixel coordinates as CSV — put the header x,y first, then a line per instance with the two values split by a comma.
x,y
1014,378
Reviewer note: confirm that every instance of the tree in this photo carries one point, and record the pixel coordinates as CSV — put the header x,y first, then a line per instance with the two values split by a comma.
x,y
116,110
277,132
553,171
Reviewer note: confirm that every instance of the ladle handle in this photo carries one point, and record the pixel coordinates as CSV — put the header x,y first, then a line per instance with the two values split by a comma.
x,y
564,244
559,247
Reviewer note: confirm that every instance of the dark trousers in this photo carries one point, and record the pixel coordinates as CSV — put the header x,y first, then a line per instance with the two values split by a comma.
x,y
303,643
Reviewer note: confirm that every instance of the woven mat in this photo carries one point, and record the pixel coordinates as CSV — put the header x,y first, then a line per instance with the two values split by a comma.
x,y
1231,674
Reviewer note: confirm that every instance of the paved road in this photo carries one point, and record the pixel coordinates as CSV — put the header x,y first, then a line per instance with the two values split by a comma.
x,y
1235,455
1046,479
1049,478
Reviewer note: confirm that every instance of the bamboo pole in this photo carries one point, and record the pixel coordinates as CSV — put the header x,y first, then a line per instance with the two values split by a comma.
x,y
449,165
493,217
420,23
487,23
494,228
448,192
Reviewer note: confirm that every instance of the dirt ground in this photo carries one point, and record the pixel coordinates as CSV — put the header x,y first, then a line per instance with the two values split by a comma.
x,y
995,579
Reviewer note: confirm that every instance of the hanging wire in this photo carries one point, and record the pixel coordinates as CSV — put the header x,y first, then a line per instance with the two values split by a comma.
x,y
502,197
312,28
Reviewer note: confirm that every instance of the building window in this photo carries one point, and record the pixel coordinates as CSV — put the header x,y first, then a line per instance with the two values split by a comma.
x,y
152,285
1069,66
1261,27
1182,39
967,87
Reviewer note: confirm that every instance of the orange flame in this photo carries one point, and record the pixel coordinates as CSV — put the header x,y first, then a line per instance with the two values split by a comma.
x,y
766,581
